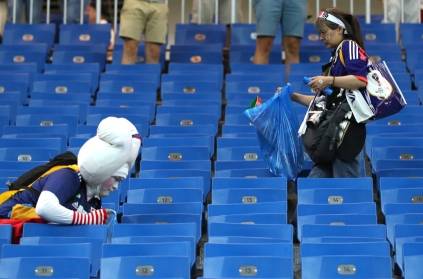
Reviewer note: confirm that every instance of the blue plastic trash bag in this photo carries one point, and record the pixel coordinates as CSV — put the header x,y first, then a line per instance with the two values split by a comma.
x,y
277,126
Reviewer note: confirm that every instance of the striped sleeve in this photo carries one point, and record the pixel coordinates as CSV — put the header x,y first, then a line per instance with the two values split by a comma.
x,y
355,60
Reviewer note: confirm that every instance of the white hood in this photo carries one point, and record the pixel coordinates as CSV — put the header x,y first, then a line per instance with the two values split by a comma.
x,y
124,123
102,155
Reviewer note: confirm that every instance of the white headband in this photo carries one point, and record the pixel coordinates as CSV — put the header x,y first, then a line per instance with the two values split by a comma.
x,y
327,16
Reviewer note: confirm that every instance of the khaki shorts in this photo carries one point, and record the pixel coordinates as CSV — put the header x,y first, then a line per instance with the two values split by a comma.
x,y
139,17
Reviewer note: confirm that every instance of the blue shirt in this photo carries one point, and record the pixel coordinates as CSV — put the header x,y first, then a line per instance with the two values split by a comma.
x,y
65,184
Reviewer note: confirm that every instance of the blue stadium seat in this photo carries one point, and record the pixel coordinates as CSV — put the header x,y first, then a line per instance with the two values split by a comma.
x,y
252,218
192,141
245,34
239,165
127,87
177,153
396,219
32,229
185,229
191,87
283,250
29,33
353,249
185,119
256,68
196,57
248,196
17,57
201,165
404,233
329,183
95,244
378,33
180,249
241,267
180,208
200,34
79,57
27,154
183,131
35,267
277,231
163,195
84,34
234,142
247,173
334,196
133,267
410,34
229,209
62,87
245,55
342,266
413,256
311,233
238,183
5,234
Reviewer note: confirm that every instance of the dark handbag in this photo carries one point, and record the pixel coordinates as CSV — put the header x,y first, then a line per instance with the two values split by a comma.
x,y
321,139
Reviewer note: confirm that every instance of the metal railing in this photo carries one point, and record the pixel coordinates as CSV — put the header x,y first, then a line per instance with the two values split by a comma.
x,y
234,5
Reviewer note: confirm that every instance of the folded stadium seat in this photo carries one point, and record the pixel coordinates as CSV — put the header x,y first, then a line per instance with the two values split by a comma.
x,y
128,87
236,119
9,112
79,57
410,34
396,153
245,34
248,196
92,68
283,250
242,130
252,88
118,52
250,218
168,218
314,55
379,33
193,141
266,183
245,55
389,53
139,77
52,84
48,120
42,99
180,249
239,165
413,256
32,229
368,266
335,196
393,220
385,140
33,48
5,234
19,56
186,229
314,250
70,110
55,143
33,267
84,34
29,34
236,141
311,37
27,154
196,55
157,165
182,68
282,232
246,172
90,77
95,243
37,131
271,77
212,109
148,110
197,76
240,266
304,210
313,233
139,119
403,234
183,131
203,173
251,69
186,119
175,153
239,153
200,34
164,195
229,209
156,208
74,250
135,266
412,97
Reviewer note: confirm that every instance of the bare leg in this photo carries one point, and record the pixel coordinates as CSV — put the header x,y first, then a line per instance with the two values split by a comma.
x,y
291,46
152,53
263,48
130,49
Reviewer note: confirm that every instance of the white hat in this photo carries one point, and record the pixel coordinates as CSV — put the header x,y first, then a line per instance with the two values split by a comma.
x,y
136,143
102,155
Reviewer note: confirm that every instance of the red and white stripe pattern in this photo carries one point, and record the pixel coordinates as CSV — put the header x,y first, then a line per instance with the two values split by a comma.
x,y
95,217
353,50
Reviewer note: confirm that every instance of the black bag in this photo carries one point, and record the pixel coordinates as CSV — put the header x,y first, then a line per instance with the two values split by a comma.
x,y
321,139
26,179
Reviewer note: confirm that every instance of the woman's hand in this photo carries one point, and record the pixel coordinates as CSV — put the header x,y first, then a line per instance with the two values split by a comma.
x,y
318,83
